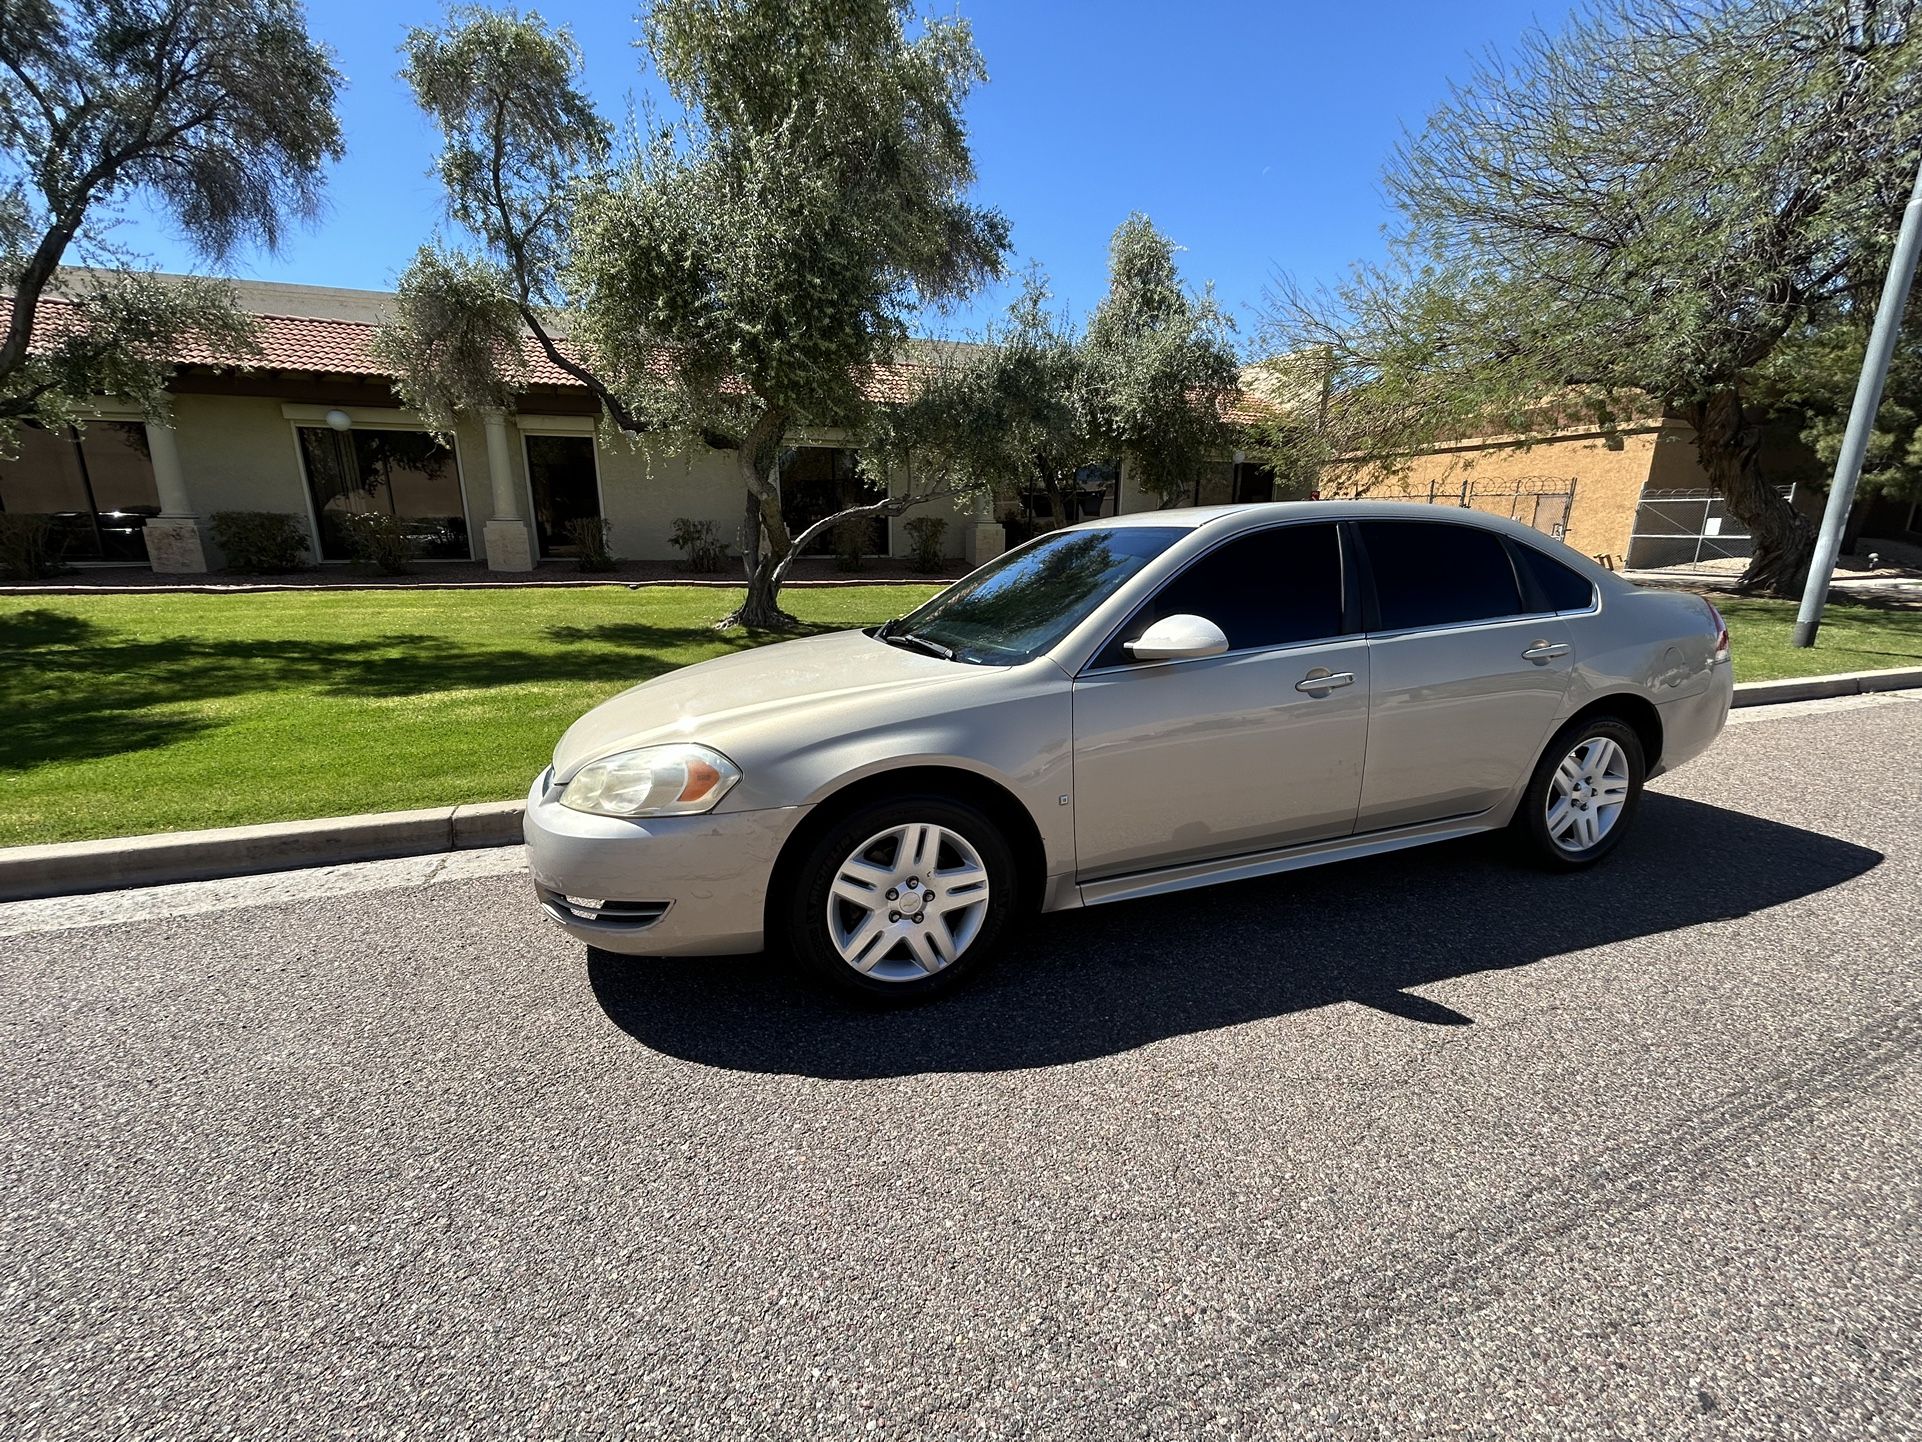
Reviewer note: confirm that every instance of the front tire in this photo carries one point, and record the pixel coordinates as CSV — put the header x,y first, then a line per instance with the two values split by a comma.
x,y
1584,794
902,899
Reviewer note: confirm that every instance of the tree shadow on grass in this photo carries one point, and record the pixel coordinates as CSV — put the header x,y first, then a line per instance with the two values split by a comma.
x,y
71,687
1092,983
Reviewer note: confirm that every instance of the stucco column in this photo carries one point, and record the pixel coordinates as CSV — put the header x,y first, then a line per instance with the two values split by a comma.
x,y
510,545
982,536
174,541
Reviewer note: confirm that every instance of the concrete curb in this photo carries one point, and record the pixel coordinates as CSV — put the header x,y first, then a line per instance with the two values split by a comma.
x,y
1816,688
73,867
69,868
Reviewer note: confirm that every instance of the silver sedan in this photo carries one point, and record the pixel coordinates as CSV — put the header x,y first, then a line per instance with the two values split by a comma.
x,y
1120,709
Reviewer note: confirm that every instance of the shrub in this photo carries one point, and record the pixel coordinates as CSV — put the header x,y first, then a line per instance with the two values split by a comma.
x,y
589,533
381,540
927,533
705,551
260,543
1018,527
850,536
28,548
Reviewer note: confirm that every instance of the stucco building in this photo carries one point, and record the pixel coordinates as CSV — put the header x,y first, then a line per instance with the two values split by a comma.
x,y
310,428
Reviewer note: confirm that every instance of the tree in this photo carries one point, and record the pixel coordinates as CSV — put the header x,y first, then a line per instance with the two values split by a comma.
x,y
221,112
1147,383
1809,384
718,281
1641,208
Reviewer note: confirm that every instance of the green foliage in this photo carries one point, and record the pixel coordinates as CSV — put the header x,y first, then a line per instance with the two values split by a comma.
x,y
382,541
260,543
1640,207
718,279
216,113
706,552
1147,383
590,537
927,533
29,550
1810,383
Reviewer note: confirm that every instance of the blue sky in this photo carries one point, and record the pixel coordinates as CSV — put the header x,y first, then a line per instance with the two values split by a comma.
x,y
1253,134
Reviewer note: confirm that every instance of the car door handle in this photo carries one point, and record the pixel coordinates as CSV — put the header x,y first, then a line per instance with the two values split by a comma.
x,y
1545,651
1319,681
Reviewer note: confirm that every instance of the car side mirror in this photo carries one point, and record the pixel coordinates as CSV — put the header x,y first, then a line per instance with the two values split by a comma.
x,y
1178,638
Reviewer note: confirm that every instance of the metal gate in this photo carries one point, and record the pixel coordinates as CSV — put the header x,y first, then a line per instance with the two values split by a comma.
x,y
1686,528
1539,501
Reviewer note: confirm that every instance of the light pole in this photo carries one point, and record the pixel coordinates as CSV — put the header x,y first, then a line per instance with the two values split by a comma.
x,y
1868,399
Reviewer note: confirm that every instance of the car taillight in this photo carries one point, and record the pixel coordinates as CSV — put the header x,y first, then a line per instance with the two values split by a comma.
x,y
1721,632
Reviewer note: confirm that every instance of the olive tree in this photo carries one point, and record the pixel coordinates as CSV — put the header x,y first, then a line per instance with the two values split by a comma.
x,y
218,112
1148,382
715,281
1634,212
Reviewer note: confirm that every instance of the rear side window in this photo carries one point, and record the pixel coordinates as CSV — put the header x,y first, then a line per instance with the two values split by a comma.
x,y
1269,588
1430,573
1560,588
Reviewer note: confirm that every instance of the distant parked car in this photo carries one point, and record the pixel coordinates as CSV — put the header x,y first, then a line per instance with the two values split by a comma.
x,y
1124,708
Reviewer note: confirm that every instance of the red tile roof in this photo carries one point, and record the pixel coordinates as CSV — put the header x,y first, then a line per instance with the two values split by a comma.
x,y
329,346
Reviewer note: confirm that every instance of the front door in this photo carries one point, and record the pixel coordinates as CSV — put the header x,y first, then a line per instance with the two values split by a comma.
x,y
566,488
1466,686
1196,760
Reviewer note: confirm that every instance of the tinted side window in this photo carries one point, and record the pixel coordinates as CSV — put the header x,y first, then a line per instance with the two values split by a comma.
x,y
1561,588
1430,573
1269,588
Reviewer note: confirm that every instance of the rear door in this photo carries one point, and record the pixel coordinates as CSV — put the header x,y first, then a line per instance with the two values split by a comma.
x,y
1181,761
1469,673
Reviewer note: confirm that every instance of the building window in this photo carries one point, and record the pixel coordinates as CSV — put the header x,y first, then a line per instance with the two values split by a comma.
x,y
408,474
1096,492
566,487
817,481
96,485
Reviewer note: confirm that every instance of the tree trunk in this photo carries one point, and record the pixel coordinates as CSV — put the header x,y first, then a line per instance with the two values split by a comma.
x,y
1727,443
1058,505
764,537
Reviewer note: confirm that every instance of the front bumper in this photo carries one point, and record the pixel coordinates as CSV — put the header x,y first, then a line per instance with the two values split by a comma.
x,y
660,886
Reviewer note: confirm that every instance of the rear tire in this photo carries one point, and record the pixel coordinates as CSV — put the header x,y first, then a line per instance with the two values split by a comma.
x,y
1584,793
902,899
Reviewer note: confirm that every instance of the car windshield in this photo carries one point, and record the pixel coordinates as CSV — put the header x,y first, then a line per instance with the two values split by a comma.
x,y
1015,608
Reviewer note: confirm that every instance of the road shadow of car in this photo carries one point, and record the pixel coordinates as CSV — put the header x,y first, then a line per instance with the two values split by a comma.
x,y
1091,983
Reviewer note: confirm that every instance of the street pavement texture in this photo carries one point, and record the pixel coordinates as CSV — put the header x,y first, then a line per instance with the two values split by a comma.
x,y
1429,1145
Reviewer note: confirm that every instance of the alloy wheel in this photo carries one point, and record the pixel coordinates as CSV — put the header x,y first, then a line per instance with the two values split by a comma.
x,y
907,902
1587,793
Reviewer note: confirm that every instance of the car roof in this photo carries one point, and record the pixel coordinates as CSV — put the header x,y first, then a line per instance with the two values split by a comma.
x,y
1256,513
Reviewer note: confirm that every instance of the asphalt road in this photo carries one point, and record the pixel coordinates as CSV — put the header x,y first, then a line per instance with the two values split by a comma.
x,y
1424,1146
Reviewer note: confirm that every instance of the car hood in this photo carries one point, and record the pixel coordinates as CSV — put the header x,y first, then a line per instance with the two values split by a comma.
x,y
767,690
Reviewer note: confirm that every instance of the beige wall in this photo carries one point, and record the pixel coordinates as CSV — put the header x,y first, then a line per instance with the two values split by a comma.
x,y
1607,474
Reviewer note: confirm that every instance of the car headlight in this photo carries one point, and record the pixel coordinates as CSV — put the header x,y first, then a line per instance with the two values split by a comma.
x,y
677,780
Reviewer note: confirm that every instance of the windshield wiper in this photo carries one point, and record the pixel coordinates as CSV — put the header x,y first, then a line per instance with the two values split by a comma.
x,y
912,642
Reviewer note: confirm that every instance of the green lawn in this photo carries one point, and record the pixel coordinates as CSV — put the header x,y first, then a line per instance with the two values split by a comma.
x,y
127,714
1852,638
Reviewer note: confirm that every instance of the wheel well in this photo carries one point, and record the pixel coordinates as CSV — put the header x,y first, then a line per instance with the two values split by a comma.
x,y
1639,712
990,797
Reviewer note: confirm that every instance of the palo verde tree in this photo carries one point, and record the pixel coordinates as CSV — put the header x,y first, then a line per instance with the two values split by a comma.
x,y
218,112
716,281
1632,213
1148,383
